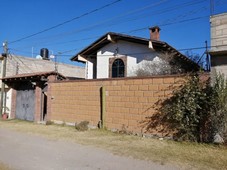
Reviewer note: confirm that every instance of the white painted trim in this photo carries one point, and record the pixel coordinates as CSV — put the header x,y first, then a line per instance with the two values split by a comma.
x,y
80,58
150,46
109,38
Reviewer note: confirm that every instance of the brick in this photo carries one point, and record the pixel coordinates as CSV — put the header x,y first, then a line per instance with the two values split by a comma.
x,y
119,116
119,104
163,87
136,117
128,104
137,105
153,87
125,87
147,81
158,93
123,122
136,82
143,87
133,123
125,99
129,82
179,80
116,110
120,82
168,93
157,80
139,93
148,94
129,93
168,80
117,88
133,111
133,99
142,99
116,99
128,116
113,82
133,87
125,110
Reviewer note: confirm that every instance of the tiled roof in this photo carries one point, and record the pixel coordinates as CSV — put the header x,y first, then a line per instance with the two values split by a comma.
x,y
37,74
157,45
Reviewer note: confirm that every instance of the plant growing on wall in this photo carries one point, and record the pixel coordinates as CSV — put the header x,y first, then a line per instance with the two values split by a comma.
x,y
218,106
183,109
198,110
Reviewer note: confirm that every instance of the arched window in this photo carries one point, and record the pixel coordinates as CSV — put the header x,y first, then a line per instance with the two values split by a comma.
x,y
118,68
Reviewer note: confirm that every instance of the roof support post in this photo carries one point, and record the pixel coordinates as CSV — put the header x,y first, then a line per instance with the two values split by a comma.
x,y
3,94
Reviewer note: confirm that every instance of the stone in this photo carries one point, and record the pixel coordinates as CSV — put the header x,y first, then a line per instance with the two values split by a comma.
x,y
218,139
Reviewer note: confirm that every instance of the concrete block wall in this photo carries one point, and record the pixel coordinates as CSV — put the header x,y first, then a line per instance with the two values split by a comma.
x,y
129,101
218,32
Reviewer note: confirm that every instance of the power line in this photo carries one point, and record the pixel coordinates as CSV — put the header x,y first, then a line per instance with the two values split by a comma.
x,y
107,20
157,12
65,22
130,31
135,30
183,49
167,24
140,29
18,59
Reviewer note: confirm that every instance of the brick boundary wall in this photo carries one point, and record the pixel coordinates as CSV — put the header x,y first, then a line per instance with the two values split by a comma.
x,y
129,101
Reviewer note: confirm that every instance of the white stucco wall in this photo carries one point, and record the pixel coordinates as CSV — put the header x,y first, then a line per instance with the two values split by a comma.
x,y
89,70
131,66
135,53
9,101
103,64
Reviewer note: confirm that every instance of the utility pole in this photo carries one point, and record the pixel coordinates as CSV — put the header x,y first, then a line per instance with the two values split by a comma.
x,y
211,7
207,58
3,95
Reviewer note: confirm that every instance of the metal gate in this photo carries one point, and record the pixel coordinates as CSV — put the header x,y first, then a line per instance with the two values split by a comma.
x,y
25,102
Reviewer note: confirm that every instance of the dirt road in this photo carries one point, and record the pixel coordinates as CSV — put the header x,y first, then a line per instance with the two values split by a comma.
x,y
30,152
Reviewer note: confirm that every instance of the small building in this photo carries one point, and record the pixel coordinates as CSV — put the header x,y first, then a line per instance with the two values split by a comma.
x,y
18,66
218,51
29,94
119,55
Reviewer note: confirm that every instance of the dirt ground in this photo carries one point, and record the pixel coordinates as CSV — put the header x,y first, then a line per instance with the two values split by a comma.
x,y
22,151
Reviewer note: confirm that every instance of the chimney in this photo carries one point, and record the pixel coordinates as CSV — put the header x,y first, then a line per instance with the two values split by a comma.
x,y
154,33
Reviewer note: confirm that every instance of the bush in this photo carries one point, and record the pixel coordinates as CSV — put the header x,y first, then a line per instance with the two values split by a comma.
x,y
82,126
218,106
198,110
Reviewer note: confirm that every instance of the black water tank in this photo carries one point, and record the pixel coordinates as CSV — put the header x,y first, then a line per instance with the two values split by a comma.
x,y
44,53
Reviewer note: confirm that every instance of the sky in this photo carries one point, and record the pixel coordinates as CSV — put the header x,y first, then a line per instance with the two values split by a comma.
x,y
66,27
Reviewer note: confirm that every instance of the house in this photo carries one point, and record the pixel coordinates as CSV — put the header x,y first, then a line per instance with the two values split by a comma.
x,y
119,55
20,67
218,51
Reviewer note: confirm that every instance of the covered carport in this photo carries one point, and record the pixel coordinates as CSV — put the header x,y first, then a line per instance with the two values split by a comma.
x,y
29,97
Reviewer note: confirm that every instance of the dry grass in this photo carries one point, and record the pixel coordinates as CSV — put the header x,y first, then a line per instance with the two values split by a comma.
x,y
184,155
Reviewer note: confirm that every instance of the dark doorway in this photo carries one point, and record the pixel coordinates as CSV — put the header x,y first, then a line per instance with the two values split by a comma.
x,y
44,103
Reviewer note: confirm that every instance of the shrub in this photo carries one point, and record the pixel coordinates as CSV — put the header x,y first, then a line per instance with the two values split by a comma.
x,y
198,110
218,106
82,126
